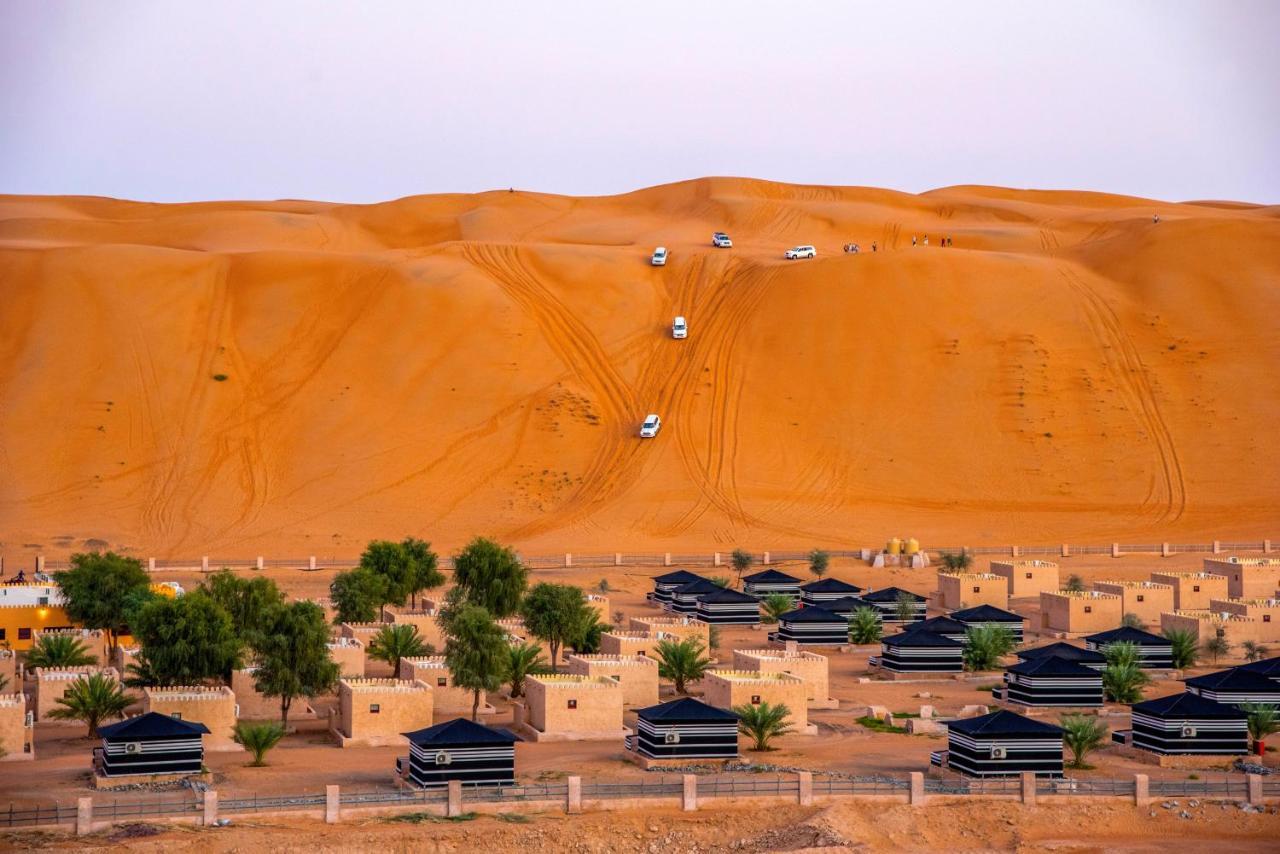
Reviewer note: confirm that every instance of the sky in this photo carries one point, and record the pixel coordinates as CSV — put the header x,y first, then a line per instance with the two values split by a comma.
x,y
367,101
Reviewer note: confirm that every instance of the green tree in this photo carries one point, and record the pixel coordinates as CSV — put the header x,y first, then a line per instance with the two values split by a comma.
x,y
865,626
523,660
713,636
293,656
1081,734
394,643
477,653
1075,584
258,738
763,723
1132,621
555,613
357,595
586,637
681,661
904,607
1263,721
93,699
775,605
58,651
408,567
986,645
819,561
1123,677
721,581
741,560
490,576
957,562
1185,650
102,590
425,574
247,600
1216,647
186,641
1254,651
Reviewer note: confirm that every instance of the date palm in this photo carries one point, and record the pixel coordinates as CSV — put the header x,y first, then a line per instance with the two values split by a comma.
x,y
775,605
681,661
393,643
763,722
1081,734
865,626
92,699
59,651
525,659
258,738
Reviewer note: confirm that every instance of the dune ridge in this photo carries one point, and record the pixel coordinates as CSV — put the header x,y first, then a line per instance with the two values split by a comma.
x,y
456,364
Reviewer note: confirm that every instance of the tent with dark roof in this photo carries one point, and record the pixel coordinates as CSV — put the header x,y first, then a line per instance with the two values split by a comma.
x,y
151,743
989,615
685,729
664,585
1189,724
1268,667
684,599
885,600
1087,657
769,582
1004,744
944,626
825,590
845,606
1235,686
727,607
814,625
920,652
1051,681
461,750
1154,652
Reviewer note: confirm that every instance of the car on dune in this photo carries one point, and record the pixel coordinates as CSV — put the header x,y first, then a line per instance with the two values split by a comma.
x,y
650,427
679,329
797,252
721,240
659,258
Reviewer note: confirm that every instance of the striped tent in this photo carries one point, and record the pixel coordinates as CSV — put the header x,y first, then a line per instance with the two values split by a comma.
x,y
1087,657
814,625
151,744
1268,667
727,607
685,729
845,605
920,652
1052,681
769,582
1154,652
684,599
885,601
665,585
461,750
1188,724
1004,744
1234,687
944,626
990,615
825,590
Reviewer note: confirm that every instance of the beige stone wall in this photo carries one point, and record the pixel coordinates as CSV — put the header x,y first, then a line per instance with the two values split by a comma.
x,y
1080,613
1027,577
637,674
574,704
447,700
681,627
1206,624
725,689
812,668
600,604
968,589
51,684
1265,612
254,706
374,712
628,643
14,733
349,655
213,707
1247,578
9,669
427,621
1145,598
94,642
360,631
1193,591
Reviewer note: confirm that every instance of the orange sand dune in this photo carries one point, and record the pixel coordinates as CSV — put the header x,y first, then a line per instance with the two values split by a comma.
x,y
459,364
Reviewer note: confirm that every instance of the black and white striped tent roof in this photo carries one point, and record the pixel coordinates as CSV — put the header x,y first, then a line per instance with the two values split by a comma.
x,y
1052,681
813,624
1153,650
920,652
944,626
889,595
684,598
1268,667
461,749
771,581
1235,686
844,606
679,577
728,607
1003,743
986,614
828,588
1087,657
1189,724
685,729
152,743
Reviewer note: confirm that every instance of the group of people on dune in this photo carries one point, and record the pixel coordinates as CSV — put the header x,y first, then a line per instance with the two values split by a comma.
x,y
854,248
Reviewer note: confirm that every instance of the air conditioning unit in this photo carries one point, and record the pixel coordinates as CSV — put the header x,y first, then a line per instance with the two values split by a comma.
x,y
443,758
999,753
132,748
672,738
1188,732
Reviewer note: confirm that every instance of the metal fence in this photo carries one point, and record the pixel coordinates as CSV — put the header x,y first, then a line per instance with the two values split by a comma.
x,y
729,787
37,816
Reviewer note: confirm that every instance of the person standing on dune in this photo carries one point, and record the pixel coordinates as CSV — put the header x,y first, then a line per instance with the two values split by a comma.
x,y
1155,219
913,240
873,246
926,240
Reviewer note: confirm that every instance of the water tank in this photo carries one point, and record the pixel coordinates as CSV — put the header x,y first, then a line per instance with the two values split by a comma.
x,y
895,546
913,546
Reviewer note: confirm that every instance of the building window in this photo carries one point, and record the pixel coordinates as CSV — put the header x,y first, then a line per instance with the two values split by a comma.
x,y
1196,588
43,600
1088,609
24,634
1141,598
177,716
573,704
1266,618
977,590
1028,575
375,708
755,699
2,631
442,682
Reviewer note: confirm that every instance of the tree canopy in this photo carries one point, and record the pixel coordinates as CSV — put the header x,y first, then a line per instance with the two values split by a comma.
x,y
489,575
358,595
292,655
248,601
186,641
102,590
477,652
557,614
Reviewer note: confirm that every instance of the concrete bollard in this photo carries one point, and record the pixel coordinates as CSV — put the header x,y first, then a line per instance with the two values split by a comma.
x,y
715,559
1066,550
1254,781
666,559
1014,551
311,562
617,558
454,807
574,805
1217,547
332,804
210,808
689,796
204,563
766,559
260,563
1029,788
916,795
1115,550
806,788
151,564
1266,549
1141,790
84,816
568,559
1165,551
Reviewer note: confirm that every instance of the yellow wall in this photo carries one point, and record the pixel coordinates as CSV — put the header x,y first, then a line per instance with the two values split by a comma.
x,y
13,618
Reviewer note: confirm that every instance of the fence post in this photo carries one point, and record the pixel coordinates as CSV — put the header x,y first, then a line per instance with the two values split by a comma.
x,y
1165,551
204,563
574,805
84,816
1266,548
916,795
1115,550
689,797
1217,547
1141,790
39,563
1029,788
766,558
1255,789
332,804
666,559
1014,551
260,562
617,558
454,807
715,559
806,788
210,808
1066,550
151,564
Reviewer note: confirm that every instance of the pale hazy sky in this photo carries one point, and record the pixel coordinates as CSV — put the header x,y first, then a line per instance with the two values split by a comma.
x,y
363,101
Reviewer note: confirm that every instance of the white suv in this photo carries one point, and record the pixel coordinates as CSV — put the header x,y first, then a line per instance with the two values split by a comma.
x,y
679,329
659,258
650,427
801,252
720,240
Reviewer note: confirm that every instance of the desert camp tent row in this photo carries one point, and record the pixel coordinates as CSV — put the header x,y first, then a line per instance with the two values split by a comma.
x,y
989,615
1088,657
1003,744
461,750
1051,681
1234,687
827,590
151,744
920,652
728,607
814,626
665,585
685,729
944,626
1154,651
1187,724
771,582
684,599
844,606
886,602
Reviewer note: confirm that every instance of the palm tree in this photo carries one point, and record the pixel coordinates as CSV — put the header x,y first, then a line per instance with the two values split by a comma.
x,y
741,561
1216,647
1254,651
1122,683
818,562
92,699
1184,647
986,645
681,661
1264,719
775,605
1082,733
721,580
526,658
763,722
59,651
904,607
395,642
1132,621
1075,584
586,637
258,739
957,562
865,626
